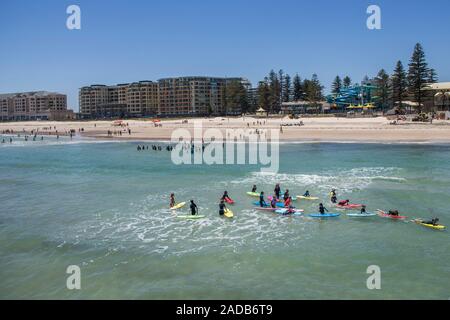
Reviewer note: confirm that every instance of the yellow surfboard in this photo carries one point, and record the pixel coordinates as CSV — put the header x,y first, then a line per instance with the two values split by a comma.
x,y
228,213
178,206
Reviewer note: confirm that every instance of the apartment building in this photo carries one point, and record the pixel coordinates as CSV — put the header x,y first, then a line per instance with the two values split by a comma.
x,y
195,95
36,105
125,99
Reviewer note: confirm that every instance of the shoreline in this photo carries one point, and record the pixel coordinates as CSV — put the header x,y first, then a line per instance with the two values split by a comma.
x,y
312,130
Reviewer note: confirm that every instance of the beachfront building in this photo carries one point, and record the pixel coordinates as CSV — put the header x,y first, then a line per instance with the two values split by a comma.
x,y
304,107
191,96
441,98
36,105
126,99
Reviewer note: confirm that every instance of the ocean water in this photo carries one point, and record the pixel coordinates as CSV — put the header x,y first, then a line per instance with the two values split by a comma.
x,y
103,206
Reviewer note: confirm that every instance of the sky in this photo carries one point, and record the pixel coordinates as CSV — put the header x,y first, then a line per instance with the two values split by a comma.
x,y
124,41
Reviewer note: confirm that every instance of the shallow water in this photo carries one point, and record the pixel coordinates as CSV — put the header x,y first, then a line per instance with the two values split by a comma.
x,y
103,206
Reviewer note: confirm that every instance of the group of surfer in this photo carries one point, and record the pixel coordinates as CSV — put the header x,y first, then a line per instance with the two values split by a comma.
x,y
154,148
287,203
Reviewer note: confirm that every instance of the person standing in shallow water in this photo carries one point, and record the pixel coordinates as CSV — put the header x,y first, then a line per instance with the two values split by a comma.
x,y
322,209
194,208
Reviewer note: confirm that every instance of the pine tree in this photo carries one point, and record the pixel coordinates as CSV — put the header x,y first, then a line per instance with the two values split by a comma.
x,y
432,76
264,94
336,85
399,84
287,88
297,88
382,81
314,91
418,75
274,87
281,83
347,82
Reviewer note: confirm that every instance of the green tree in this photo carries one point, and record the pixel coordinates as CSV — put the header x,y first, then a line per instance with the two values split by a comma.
x,y
418,75
336,85
432,76
236,97
275,94
297,88
264,94
399,84
314,91
347,82
287,88
382,82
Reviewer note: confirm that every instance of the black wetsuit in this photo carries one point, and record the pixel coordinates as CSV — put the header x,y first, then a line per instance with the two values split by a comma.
x,y
277,191
262,203
254,189
193,209
333,199
322,209
222,209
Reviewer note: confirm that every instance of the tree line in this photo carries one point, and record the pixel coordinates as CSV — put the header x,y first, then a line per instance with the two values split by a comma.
x,y
279,87
401,84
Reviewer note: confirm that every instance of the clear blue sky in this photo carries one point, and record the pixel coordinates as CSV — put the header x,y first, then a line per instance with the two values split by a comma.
x,y
124,41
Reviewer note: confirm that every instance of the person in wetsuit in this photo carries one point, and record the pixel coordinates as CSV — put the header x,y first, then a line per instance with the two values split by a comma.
x,y
262,202
225,196
344,202
393,212
333,196
172,200
363,210
254,188
273,202
286,195
288,202
322,209
277,190
306,194
433,221
194,208
222,208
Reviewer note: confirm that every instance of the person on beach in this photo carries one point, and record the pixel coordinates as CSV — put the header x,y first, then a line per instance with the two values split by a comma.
x,y
254,188
363,209
322,209
277,190
172,200
262,202
222,208
306,194
194,208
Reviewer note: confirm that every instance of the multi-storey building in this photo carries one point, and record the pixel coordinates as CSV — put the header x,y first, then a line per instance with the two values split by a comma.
x,y
167,97
126,99
36,105
195,95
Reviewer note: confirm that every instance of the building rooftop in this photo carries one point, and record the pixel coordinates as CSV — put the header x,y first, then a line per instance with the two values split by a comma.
x,y
30,93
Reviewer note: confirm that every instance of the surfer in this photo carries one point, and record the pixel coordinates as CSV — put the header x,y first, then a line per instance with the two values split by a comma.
x,y
194,208
344,202
333,196
322,209
222,207
363,209
262,202
306,194
254,188
433,221
226,197
286,195
172,200
393,212
277,190
288,202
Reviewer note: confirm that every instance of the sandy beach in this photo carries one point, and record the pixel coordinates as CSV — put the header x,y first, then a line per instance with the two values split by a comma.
x,y
325,129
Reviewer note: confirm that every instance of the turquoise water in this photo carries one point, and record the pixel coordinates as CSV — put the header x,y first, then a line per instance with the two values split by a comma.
x,y
103,207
